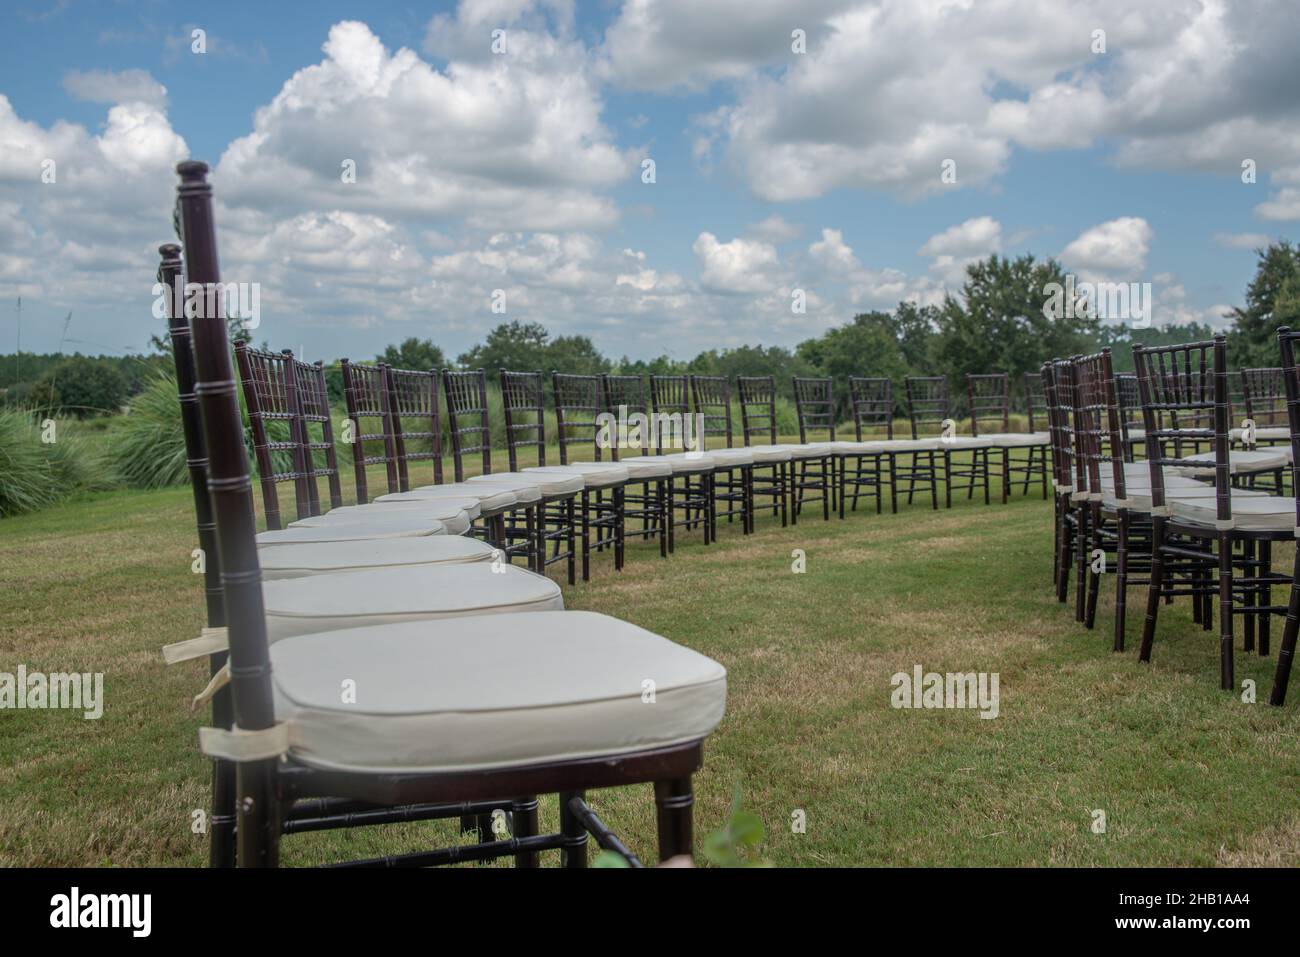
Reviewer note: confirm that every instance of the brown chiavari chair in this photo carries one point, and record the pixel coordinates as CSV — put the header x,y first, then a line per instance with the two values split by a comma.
x,y
269,381
628,409
871,402
988,398
435,733
552,519
314,408
757,396
1263,396
525,411
928,409
1233,531
1290,375
690,492
1062,482
814,403
732,484
1119,517
413,395
1130,414
221,832
365,393
1035,402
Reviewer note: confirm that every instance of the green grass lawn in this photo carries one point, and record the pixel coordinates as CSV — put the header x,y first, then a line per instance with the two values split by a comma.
x,y
1186,774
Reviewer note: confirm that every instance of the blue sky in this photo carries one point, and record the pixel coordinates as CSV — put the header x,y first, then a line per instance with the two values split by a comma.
x,y
521,171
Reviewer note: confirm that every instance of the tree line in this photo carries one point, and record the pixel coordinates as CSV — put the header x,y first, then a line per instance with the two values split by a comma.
x,y
997,322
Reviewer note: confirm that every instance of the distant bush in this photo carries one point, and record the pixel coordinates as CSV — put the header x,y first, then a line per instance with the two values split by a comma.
x,y
36,474
146,447
82,386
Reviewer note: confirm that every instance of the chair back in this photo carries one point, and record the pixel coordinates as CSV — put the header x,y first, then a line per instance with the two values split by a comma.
x,y
712,396
872,402
415,415
988,398
579,403
757,408
467,418
365,394
814,403
525,407
927,404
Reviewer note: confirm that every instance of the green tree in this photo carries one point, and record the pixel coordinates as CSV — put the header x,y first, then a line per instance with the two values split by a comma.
x,y
516,346
999,323
420,355
1272,300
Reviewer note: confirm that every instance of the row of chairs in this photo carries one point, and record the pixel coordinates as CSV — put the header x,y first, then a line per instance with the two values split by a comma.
x,y
396,418
371,664
1198,517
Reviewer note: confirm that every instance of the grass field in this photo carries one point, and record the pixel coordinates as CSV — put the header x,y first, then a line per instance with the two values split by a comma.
x,y
1185,774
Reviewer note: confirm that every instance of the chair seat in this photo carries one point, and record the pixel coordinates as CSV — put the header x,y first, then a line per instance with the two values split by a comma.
x,y
878,447
1270,433
437,508
683,463
300,561
1255,513
1017,440
321,603
731,458
1139,498
639,468
489,499
524,493
910,445
811,450
1240,461
379,528
769,453
593,477
550,485
955,443
476,693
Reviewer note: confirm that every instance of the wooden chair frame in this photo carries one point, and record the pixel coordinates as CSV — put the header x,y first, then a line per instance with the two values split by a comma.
x,y
365,394
768,480
413,394
928,405
814,403
690,494
269,381
871,403
711,395
988,397
644,502
1184,384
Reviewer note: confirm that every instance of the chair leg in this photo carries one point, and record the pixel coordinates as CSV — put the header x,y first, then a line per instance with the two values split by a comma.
x,y
1121,578
571,535
1154,588
573,853
1226,678
258,831
674,806
1094,577
586,535
1282,676
524,812
1265,595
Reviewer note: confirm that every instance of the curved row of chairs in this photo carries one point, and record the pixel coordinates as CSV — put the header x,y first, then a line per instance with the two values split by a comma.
x,y
1198,517
390,661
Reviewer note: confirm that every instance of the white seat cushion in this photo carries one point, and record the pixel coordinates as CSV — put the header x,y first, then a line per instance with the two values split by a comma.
x,y
1017,440
1269,433
304,606
769,453
1240,461
861,448
811,450
910,445
299,561
591,477
456,521
1257,513
639,467
379,528
960,443
475,693
439,509
489,499
731,458
1139,497
685,463
550,485
524,493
